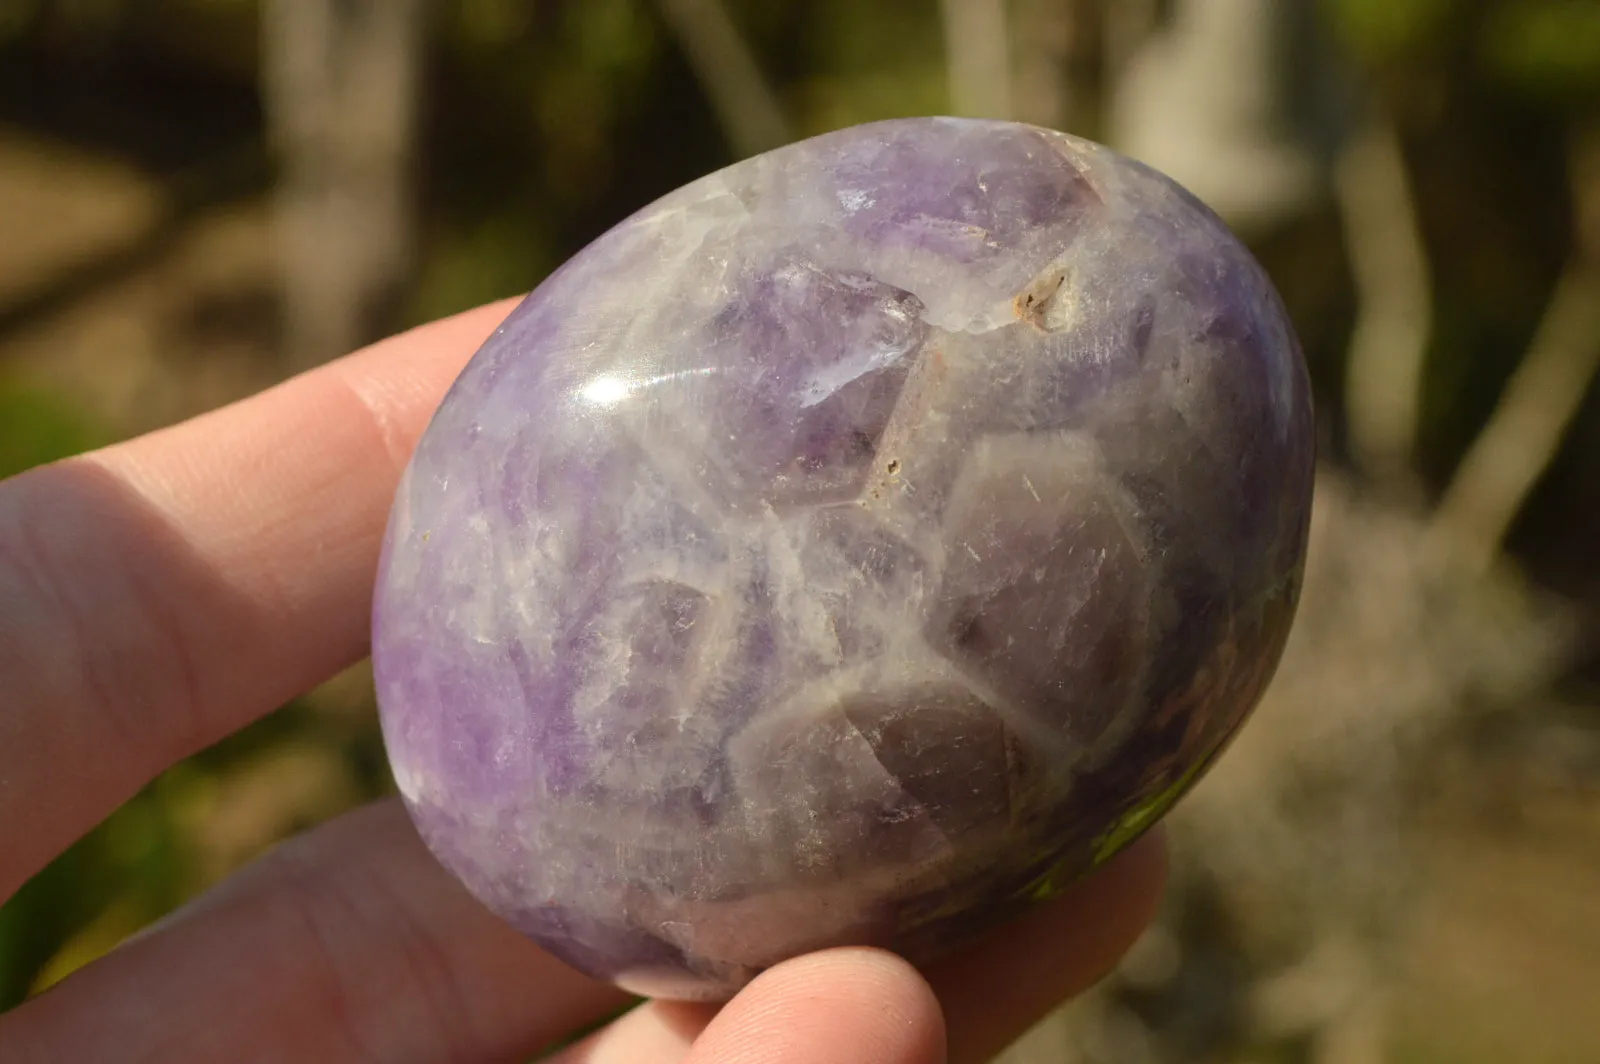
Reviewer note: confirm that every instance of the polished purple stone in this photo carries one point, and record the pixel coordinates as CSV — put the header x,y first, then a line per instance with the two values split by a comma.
x,y
854,546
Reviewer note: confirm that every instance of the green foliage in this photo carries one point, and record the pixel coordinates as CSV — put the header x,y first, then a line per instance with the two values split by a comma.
x,y
38,426
502,256
1382,29
128,871
15,17
1547,48
869,62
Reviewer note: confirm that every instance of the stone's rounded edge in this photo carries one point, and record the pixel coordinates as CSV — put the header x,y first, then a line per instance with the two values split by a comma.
x,y
384,649
635,960
669,984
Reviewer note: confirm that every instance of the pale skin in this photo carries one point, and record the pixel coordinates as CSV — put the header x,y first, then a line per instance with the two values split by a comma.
x,y
160,594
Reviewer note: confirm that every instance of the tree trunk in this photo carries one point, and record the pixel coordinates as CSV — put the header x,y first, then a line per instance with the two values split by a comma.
x,y
341,85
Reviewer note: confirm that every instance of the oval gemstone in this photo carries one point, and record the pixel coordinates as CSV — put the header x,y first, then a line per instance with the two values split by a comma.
x,y
854,546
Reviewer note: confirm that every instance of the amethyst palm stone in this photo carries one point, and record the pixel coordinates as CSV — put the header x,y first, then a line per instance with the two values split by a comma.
x,y
854,546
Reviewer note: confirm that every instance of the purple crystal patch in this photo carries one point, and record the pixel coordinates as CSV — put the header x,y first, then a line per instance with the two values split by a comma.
x,y
851,547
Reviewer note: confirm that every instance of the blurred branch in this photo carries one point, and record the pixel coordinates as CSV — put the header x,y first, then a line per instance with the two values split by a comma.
x,y
1539,403
1541,399
341,80
978,55
1060,53
1128,25
745,104
1388,350
1209,99
1040,63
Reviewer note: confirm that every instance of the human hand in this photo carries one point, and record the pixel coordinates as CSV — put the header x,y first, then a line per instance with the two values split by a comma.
x,y
161,594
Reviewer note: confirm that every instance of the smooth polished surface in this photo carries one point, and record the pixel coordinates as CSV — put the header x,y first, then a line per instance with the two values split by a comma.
x,y
850,547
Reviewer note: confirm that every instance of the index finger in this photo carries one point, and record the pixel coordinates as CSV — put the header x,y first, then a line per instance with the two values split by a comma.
x,y
164,592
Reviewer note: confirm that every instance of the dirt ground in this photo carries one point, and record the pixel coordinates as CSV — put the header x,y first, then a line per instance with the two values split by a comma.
x,y
1505,960
1503,966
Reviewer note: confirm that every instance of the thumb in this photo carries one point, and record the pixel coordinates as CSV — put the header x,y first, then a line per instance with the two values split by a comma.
x,y
845,1006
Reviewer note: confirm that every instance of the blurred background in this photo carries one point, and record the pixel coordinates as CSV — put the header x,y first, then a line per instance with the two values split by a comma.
x,y
1398,861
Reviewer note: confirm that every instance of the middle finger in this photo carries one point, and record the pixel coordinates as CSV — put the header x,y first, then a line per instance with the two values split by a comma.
x,y
348,944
